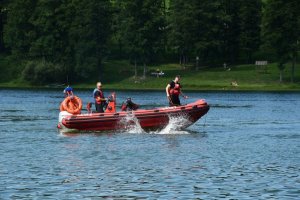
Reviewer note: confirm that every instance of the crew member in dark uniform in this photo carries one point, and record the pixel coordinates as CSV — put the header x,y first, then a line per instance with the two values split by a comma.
x,y
173,91
100,100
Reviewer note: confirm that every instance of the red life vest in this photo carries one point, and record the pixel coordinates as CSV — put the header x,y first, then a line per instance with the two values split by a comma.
x,y
99,97
175,90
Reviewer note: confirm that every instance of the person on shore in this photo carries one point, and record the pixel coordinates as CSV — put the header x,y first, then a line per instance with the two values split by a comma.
x,y
173,91
68,91
100,100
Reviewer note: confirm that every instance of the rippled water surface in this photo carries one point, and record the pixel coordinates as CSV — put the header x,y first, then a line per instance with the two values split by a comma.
x,y
246,147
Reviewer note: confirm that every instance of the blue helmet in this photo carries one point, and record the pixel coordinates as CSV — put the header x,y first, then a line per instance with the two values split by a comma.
x,y
69,89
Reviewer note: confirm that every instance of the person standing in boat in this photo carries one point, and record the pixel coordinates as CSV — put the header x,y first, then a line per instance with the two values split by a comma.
x,y
100,100
173,91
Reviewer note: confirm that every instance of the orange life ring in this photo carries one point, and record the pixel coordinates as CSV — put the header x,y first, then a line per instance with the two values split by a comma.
x,y
61,108
72,105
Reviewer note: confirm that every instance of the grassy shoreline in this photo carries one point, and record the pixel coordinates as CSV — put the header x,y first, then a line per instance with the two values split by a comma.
x,y
202,89
118,75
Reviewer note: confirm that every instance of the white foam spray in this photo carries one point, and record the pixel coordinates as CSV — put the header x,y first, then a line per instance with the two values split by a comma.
x,y
131,124
176,125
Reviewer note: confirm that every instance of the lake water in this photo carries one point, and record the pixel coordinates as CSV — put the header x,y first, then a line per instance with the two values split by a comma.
x,y
246,147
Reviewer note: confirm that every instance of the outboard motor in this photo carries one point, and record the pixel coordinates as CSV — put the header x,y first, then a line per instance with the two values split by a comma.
x,y
129,105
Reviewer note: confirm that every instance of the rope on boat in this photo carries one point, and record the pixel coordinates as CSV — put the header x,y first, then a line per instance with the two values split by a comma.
x,y
204,121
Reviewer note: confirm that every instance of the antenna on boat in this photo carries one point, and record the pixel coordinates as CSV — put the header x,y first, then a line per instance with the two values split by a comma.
x,y
67,79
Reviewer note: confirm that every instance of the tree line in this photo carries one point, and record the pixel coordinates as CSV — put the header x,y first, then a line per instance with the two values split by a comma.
x,y
59,38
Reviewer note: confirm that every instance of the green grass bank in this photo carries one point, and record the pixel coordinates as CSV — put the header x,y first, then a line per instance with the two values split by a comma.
x,y
119,75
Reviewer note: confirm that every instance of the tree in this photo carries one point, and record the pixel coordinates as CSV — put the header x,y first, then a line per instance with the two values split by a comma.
x,y
250,23
282,29
3,16
117,43
182,28
232,30
207,29
18,28
143,29
48,36
89,33
210,34
66,34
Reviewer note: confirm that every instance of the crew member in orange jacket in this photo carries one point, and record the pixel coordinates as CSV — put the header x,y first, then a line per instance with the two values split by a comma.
x,y
173,91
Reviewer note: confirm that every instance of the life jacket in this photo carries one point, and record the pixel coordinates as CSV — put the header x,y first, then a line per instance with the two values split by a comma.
x,y
111,107
98,95
175,90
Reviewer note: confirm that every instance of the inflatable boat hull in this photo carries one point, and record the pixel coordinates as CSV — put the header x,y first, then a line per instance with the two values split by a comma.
x,y
148,119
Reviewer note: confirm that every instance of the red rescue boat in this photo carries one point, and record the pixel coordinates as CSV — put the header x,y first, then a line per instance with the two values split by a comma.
x,y
153,119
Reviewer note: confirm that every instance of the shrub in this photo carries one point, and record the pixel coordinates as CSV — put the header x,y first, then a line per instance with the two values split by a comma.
x,y
42,72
